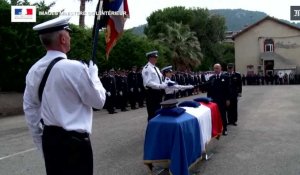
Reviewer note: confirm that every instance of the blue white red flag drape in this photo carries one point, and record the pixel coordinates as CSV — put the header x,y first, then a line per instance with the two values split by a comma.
x,y
110,14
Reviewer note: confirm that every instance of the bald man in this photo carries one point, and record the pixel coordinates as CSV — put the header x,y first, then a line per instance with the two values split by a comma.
x,y
218,90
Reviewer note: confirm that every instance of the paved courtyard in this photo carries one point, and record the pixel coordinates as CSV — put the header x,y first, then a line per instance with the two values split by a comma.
x,y
266,140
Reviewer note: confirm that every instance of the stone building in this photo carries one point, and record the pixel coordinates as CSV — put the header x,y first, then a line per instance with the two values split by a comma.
x,y
267,47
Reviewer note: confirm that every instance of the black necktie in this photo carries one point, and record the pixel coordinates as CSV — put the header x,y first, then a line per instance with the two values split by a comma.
x,y
218,76
157,74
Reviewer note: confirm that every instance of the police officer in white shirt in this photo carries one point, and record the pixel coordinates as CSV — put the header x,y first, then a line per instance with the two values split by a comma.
x,y
65,104
153,83
173,87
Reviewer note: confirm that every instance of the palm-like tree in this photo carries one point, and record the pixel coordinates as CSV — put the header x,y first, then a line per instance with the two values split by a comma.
x,y
82,9
184,46
42,6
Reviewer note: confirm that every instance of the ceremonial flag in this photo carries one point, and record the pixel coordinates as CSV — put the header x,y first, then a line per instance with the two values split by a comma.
x,y
110,14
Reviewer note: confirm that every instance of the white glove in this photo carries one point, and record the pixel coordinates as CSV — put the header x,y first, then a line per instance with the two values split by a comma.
x,y
121,93
190,86
93,70
108,94
162,86
131,89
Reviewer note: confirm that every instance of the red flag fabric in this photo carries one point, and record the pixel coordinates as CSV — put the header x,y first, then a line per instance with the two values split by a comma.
x,y
216,119
115,24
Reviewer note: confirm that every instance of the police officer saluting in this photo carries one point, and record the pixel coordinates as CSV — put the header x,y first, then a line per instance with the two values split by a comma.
x,y
154,85
63,101
235,92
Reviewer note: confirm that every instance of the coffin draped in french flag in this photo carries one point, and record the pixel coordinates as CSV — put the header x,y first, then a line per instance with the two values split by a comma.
x,y
179,135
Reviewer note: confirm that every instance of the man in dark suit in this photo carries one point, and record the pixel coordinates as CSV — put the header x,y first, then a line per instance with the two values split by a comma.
x,y
235,92
218,90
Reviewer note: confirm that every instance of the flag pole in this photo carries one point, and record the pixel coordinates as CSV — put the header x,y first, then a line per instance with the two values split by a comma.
x,y
94,51
96,30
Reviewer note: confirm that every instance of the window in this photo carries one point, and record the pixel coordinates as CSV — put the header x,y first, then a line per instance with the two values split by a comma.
x,y
269,48
269,45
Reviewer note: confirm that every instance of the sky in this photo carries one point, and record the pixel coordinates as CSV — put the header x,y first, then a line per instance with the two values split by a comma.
x,y
141,9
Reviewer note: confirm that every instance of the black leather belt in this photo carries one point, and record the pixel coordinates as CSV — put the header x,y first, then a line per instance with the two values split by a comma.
x,y
60,130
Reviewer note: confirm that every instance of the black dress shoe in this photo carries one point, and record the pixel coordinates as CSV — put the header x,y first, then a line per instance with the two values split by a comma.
x,y
124,110
113,112
133,108
225,133
234,124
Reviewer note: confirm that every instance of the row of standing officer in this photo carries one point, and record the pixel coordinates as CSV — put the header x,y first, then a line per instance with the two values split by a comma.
x,y
122,88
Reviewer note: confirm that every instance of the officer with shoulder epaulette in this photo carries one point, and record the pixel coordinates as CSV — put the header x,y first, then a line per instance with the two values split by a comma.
x,y
235,92
59,96
153,83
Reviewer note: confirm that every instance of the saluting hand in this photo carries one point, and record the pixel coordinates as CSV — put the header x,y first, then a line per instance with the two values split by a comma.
x,y
93,70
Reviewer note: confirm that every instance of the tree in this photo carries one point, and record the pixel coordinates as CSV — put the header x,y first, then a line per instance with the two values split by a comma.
x,y
130,51
157,20
208,28
19,47
42,6
183,44
82,11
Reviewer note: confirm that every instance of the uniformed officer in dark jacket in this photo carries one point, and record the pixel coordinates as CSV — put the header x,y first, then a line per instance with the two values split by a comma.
x,y
133,87
235,92
218,90
122,88
110,86
190,81
182,81
203,81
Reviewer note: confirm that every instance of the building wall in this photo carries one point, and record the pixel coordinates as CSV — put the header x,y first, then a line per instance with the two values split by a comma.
x,y
249,45
289,47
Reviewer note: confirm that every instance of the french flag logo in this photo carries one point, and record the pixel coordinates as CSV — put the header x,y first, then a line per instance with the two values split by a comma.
x,y
23,14
27,11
